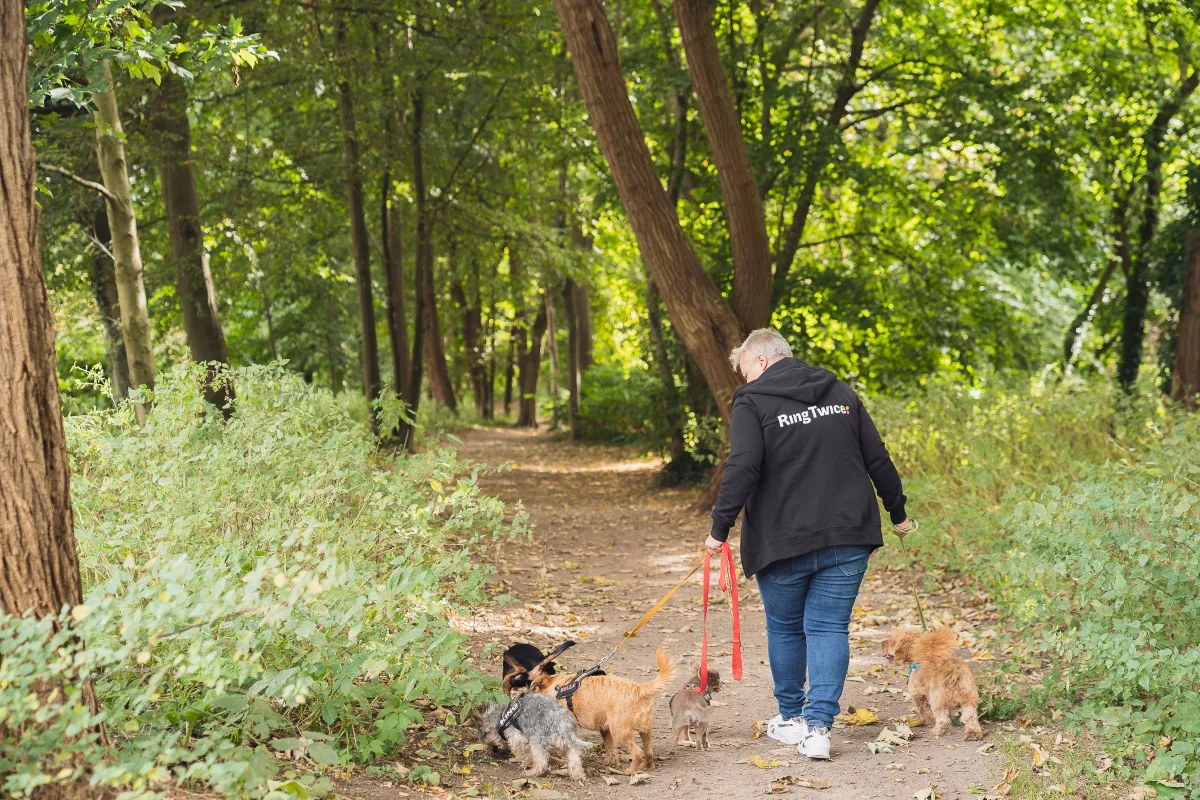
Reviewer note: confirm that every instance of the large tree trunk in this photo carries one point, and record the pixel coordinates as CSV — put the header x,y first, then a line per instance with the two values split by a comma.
x,y
707,326
104,288
360,243
435,349
39,567
722,124
393,270
570,295
424,257
193,278
127,256
1185,376
530,364
1137,294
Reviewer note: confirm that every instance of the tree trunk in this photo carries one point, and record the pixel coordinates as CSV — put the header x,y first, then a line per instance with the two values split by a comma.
x,y
39,567
424,256
393,270
570,298
1122,257
530,365
707,326
359,242
583,307
193,279
104,288
127,257
508,372
1185,376
1137,293
472,334
435,349
552,344
268,314
739,189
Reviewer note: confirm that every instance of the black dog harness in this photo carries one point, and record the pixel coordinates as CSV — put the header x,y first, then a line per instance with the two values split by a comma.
x,y
509,718
568,689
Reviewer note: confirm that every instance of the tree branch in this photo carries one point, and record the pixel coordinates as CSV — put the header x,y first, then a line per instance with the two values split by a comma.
x,y
445,189
99,187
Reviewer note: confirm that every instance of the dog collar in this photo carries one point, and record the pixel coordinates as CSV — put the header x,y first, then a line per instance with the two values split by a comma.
x,y
915,666
692,687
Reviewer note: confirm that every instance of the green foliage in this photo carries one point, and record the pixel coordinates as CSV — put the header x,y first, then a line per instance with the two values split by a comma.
x,y
1076,508
265,587
618,405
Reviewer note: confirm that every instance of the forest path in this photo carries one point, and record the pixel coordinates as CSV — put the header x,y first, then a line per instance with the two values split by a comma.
x,y
607,545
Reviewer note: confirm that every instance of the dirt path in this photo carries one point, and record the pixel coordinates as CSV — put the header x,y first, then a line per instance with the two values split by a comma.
x,y
607,545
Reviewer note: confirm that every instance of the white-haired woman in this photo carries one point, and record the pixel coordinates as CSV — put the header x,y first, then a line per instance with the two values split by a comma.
x,y
803,457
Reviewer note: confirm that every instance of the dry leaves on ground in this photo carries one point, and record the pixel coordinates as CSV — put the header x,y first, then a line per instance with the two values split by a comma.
x,y
781,785
857,716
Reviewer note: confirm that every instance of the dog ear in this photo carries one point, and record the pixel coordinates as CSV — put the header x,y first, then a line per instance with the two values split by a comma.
x,y
539,670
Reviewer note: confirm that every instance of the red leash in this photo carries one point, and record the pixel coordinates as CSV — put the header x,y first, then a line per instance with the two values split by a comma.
x,y
728,582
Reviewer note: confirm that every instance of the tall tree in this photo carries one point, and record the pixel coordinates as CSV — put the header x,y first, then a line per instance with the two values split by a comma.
x,y
39,566
122,222
104,289
359,241
707,326
1185,376
193,278
1137,292
723,126
570,295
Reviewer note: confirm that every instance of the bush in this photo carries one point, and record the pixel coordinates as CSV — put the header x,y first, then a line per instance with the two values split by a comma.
x,y
622,406
266,587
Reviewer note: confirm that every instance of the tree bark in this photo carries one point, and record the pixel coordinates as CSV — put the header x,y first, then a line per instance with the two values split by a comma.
x,y
530,364
393,270
707,326
508,371
193,279
472,322
1185,375
435,349
359,241
104,288
1137,294
570,295
722,124
39,566
424,256
127,257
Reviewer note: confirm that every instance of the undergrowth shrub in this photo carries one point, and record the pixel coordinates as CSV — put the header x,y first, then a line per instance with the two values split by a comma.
x,y
267,588
623,406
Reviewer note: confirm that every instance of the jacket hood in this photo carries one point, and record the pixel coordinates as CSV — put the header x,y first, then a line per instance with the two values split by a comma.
x,y
791,378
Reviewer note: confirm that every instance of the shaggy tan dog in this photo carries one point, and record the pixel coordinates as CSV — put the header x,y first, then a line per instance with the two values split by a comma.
x,y
616,707
938,682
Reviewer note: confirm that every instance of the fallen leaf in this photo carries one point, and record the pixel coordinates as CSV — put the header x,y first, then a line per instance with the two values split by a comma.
x,y
857,716
929,793
1103,763
1141,793
985,748
813,783
610,780
638,778
1040,756
762,763
914,722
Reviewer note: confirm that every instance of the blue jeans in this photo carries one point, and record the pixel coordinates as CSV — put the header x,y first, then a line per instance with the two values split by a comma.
x,y
808,600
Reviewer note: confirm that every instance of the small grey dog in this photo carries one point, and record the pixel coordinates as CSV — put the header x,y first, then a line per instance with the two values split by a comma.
x,y
530,728
690,709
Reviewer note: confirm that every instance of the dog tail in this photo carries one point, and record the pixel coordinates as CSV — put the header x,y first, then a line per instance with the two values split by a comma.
x,y
666,674
937,645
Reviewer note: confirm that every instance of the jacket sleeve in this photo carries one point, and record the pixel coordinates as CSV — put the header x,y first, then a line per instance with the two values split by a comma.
x,y
880,467
742,468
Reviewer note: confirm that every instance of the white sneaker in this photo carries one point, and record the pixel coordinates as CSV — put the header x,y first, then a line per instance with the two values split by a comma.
x,y
815,743
790,731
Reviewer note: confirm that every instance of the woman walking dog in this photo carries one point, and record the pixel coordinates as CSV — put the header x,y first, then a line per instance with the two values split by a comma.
x,y
803,455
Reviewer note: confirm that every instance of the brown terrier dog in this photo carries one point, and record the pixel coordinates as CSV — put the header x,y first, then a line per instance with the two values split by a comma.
x,y
616,707
690,709
938,682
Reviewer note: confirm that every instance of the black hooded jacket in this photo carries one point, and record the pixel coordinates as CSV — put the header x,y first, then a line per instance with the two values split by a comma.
x,y
803,455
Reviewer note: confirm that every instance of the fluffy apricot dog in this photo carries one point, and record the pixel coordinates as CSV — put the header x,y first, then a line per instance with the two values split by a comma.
x,y
620,709
938,682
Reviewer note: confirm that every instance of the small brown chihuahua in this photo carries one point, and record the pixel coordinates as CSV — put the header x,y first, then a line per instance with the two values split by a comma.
x,y
690,709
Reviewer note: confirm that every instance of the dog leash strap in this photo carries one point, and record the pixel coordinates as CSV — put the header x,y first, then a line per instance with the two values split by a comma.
x,y
703,687
727,561
649,614
911,586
